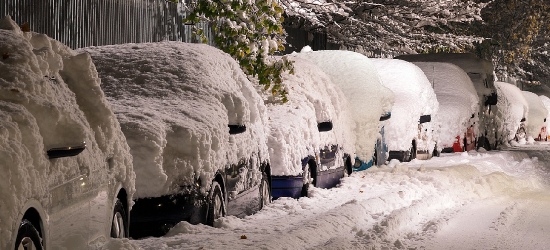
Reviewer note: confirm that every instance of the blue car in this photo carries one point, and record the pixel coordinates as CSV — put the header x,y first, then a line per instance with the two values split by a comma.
x,y
308,141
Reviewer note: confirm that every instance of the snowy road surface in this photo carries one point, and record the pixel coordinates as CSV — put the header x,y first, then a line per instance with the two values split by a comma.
x,y
475,200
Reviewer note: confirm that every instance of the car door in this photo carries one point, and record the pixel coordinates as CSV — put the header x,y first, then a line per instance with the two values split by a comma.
x,y
69,210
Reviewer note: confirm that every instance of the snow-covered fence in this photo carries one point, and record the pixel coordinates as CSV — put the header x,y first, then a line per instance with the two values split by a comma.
x,y
83,23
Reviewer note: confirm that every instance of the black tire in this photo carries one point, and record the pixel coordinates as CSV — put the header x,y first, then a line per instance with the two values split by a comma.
x,y
436,152
412,154
348,167
119,222
307,178
28,237
265,191
375,157
216,204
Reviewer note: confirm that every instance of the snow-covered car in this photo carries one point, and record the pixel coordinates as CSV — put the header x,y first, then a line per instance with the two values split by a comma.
x,y
310,141
455,122
195,126
66,172
536,117
481,72
369,101
409,133
512,112
544,134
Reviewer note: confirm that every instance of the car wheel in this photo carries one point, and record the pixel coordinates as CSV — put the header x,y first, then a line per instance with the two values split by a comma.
x,y
307,179
216,204
265,194
375,157
28,237
120,221
413,151
348,167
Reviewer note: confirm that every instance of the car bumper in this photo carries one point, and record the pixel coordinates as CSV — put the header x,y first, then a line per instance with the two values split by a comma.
x,y
286,186
155,216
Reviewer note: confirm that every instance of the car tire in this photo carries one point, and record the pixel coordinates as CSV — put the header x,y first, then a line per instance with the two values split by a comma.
x,y
216,204
119,223
307,178
28,237
265,191
413,151
348,167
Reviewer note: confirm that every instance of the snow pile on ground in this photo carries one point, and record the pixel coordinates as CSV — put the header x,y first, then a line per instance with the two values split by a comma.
x,y
414,97
462,200
49,98
536,118
512,108
358,79
312,98
457,98
175,102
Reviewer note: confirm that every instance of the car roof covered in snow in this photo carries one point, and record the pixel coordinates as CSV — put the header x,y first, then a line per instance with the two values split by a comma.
x,y
358,79
175,101
481,71
312,99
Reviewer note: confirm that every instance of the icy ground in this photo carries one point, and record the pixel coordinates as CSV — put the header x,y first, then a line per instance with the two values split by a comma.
x,y
474,200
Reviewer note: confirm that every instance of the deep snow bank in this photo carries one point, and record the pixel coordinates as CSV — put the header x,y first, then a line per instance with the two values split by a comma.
x,y
312,98
358,79
175,101
398,206
50,97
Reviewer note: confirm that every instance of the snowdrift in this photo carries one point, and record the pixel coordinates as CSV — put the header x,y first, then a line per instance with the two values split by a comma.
x,y
175,101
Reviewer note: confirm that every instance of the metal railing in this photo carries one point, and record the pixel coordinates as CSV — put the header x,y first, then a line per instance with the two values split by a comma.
x,y
83,23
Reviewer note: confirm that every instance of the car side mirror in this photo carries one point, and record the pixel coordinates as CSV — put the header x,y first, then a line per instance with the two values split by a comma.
x,y
324,126
425,118
491,100
236,129
66,151
385,116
